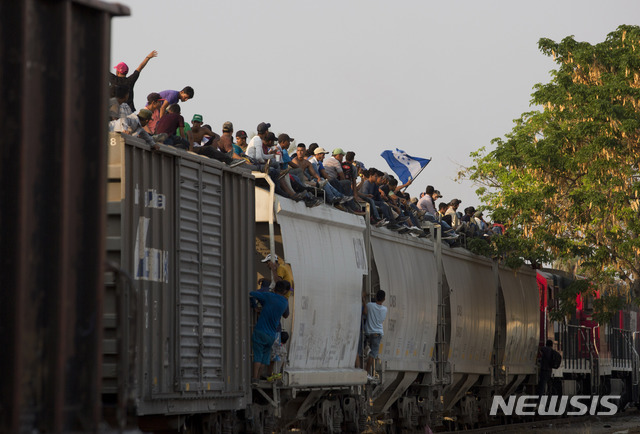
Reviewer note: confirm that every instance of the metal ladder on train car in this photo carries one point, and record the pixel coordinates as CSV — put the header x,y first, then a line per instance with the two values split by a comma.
x,y
635,360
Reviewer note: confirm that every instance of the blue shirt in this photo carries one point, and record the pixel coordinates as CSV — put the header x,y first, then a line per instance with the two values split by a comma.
x,y
172,96
273,307
369,187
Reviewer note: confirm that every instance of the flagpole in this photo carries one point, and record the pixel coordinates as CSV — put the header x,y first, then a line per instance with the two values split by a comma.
x,y
414,178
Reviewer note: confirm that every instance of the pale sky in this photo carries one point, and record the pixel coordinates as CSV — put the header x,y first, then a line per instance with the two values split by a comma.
x,y
436,79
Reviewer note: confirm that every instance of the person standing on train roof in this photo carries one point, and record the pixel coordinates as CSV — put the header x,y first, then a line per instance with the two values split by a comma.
x,y
120,77
274,306
373,331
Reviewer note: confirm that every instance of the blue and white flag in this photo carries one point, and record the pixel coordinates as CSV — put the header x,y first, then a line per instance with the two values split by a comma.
x,y
405,166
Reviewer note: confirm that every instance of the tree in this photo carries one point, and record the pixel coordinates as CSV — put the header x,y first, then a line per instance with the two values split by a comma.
x,y
565,180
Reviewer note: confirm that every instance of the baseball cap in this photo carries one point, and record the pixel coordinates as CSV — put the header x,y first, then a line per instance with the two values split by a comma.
x,y
271,137
196,118
338,151
320,150
144,114
241,134
437,192
263,127
122,68
268,257
227,127
284,138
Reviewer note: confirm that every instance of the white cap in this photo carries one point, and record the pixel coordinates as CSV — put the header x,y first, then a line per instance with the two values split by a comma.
x,y
268,258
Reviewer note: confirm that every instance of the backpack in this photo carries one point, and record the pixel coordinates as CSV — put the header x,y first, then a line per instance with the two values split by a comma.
x,y
556,359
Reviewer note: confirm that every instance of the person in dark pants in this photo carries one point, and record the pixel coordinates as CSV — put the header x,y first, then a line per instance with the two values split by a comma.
x,y
546,362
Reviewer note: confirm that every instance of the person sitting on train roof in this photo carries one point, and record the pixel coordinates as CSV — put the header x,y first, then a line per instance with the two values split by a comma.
x,y
169,124
281,149
468,214
199,132
370,193
118,107
442,213
154,102
269,148
350,171
333,168
225,143
240,146
173,96
211,150
452,210
399,202
310,150
133,126
302,166
274,306
426,202
255,149
120,77
317,159
344,199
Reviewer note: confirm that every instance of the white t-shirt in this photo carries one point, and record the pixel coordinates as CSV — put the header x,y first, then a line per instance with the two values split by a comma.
x,y
376,313
254,150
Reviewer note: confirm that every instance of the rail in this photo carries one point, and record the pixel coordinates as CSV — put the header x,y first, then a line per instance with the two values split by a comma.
x,y
575,355
635,360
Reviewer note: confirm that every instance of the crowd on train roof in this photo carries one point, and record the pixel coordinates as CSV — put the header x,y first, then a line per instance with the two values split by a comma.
x,y
310,174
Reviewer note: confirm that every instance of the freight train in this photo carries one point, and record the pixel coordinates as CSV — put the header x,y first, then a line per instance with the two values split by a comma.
x,y
186,240
165,344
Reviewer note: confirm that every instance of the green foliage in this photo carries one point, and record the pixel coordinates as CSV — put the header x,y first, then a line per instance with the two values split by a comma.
x,y
567,297
565,179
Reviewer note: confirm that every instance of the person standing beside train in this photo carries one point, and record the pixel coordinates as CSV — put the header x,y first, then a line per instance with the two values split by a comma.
x,y
274,305
546,366
373,331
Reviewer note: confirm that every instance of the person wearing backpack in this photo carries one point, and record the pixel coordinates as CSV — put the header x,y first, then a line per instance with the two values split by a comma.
x,y
549,359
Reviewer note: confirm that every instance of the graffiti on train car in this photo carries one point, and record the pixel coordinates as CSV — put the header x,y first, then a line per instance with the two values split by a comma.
x,y
150,264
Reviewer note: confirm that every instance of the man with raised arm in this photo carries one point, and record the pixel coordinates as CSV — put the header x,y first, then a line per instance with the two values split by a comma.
x,y
120,77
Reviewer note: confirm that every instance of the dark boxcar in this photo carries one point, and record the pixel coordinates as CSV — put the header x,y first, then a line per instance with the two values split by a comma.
x,y
53,72
181,242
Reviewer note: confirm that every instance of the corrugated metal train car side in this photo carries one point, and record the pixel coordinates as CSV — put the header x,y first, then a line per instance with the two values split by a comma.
x,y
180,237
54,58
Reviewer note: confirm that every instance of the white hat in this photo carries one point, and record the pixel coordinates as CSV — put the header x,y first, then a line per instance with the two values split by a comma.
x,y
268,257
